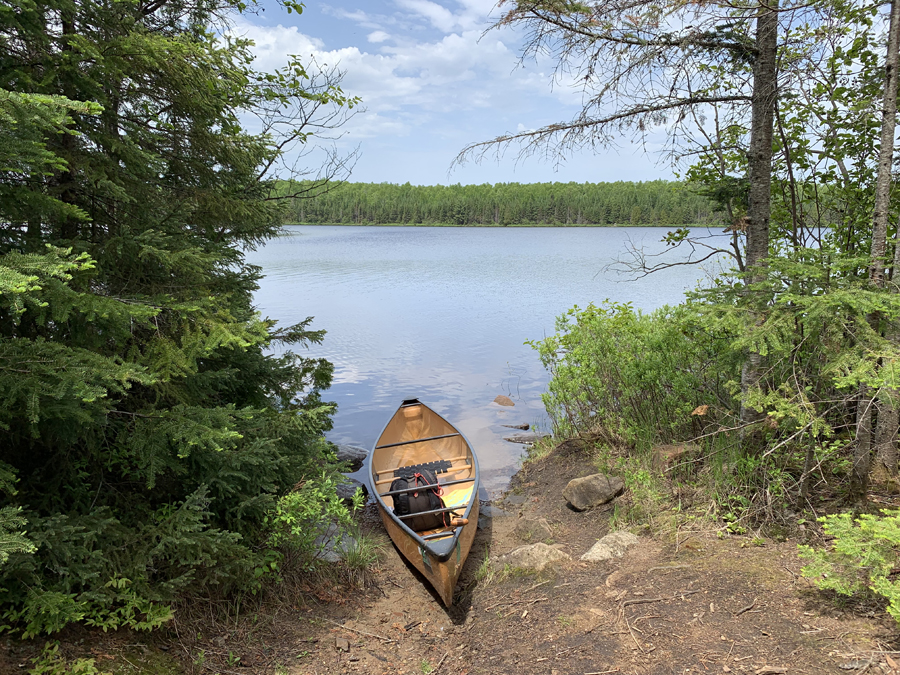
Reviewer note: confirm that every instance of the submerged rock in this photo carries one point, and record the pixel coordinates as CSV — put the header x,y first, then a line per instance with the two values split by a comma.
x,y
491,511
526,439
612,545
515,500
504,400
522,427
534,557
590,491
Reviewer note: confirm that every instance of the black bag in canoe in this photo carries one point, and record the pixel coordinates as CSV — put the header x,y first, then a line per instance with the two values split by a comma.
x,y
426,499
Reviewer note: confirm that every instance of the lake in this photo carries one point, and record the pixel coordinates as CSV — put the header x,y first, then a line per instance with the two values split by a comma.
x,y
442,314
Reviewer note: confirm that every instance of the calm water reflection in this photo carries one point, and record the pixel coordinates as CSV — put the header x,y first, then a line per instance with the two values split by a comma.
x,y
442,314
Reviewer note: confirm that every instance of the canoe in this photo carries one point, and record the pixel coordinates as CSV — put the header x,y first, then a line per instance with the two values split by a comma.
x,y
413,438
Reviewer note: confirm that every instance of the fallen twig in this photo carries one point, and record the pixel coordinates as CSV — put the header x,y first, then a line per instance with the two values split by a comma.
x,y
628,625
536,586
604,672
440,663
682,594
514,602
640,601
747,608
377,637
666,568
216,669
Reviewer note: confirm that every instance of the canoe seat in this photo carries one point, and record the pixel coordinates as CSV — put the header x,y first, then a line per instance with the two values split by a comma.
x,y
438,466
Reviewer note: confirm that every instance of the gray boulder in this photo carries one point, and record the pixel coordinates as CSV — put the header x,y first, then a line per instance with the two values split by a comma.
x,y
534,557
332,542
590,491
347,489
533,529
354,455
612,545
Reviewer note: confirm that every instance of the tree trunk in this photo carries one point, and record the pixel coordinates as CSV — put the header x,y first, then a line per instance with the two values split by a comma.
x,y
765,85
886,152
886,424
884,467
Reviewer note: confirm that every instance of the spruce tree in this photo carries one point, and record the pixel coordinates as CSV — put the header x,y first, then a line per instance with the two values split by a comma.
x,y
148,424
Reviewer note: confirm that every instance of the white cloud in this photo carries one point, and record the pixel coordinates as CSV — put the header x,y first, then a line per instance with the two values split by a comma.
x,y
440,17
455,73
431,82
358,16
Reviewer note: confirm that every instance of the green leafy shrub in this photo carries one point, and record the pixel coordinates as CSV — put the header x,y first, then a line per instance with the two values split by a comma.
x,y
865,554
51,662
302,521
632,378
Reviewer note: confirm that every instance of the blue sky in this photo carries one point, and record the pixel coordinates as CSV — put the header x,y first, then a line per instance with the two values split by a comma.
x,y
432,82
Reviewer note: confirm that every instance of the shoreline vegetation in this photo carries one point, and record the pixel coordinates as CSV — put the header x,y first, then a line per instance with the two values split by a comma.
x,y
622,203
534,225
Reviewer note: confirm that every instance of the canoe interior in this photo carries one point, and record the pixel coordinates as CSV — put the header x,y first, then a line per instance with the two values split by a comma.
x,y
417,421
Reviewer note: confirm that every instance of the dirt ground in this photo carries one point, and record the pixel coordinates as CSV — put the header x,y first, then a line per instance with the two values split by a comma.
x,y
690,602
695,603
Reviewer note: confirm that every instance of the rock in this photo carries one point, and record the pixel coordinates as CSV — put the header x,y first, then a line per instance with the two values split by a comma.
x,y
533,529
333,542
534,557
523,427
354,455
347,489
526,439
342,644
515,500
612,545
590,491
504,400
491,511
665,456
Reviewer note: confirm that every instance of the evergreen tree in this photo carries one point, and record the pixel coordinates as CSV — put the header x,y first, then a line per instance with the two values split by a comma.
x,y
149,426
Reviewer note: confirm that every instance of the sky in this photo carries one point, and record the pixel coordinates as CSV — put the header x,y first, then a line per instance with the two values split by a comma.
x,y
433,79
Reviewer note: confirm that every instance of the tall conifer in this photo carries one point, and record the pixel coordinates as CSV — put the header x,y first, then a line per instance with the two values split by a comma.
x,y
148,425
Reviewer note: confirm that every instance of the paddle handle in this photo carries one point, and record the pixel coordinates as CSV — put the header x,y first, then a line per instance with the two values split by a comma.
x,y
455,522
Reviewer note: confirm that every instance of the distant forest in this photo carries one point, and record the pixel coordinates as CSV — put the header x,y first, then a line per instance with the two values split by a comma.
x,y
656,202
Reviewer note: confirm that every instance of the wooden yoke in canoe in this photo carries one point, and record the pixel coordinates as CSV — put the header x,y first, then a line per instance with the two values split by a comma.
x,y
417,437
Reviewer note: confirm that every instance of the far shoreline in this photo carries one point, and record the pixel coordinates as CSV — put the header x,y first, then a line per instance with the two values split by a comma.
x,y
495,225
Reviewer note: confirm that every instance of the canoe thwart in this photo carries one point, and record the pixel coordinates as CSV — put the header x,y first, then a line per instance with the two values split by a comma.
x,y
439,535
437,466
417,440
427,513
422,487
451,460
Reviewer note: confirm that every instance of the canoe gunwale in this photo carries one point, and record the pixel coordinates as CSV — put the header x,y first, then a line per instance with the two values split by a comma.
x,y
443,548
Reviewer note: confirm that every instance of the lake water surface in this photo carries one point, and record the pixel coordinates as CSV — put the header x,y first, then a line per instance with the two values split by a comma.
x,y
442,314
